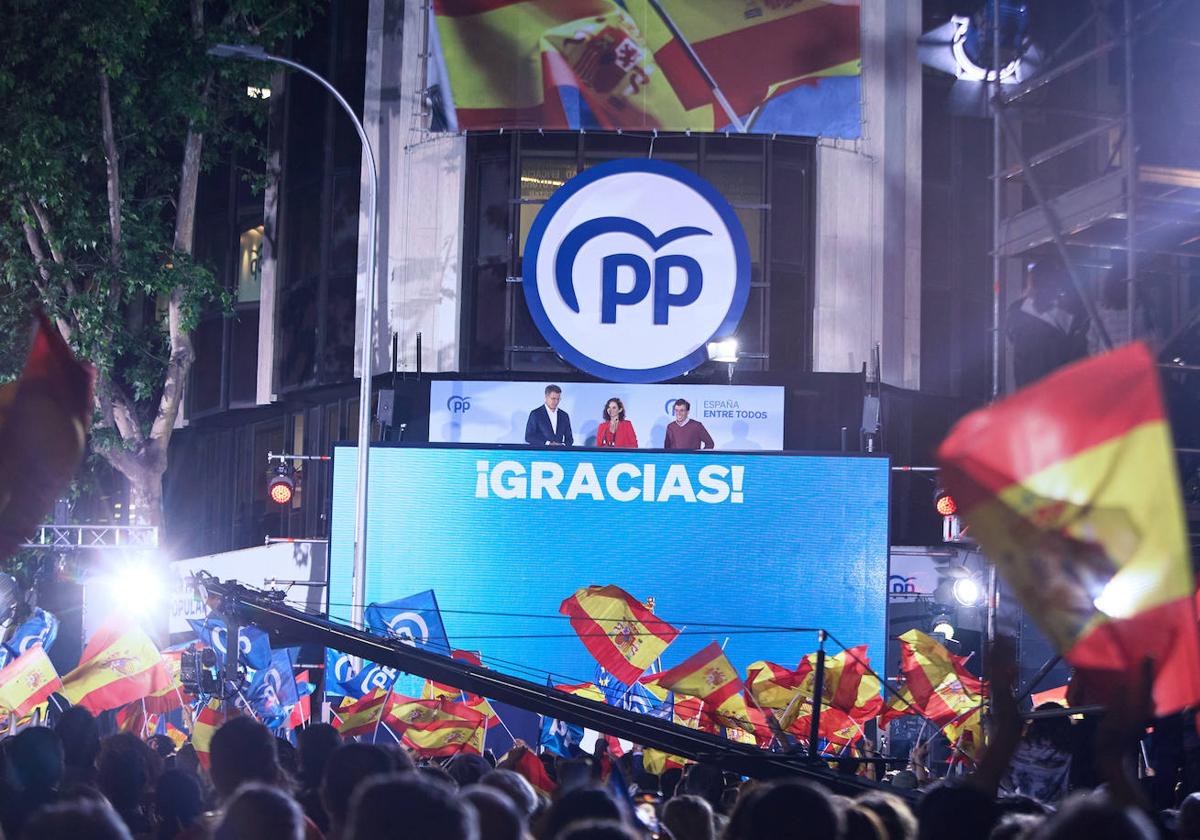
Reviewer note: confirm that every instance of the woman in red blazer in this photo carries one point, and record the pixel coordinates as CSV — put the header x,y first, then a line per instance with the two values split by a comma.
x,y
616,432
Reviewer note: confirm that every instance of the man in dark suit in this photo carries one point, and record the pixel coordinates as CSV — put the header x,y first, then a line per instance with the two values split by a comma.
x,y
549,425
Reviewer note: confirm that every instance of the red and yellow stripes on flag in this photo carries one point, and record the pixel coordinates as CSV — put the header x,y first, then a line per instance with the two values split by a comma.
x,y
707,675
171,696
618,630
1070,486
27,682
362,716
589,691
207,722
119,665
437,727
849,686
937,680
531,768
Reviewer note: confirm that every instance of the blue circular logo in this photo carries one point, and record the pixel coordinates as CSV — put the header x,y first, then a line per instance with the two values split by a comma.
x,y
632,267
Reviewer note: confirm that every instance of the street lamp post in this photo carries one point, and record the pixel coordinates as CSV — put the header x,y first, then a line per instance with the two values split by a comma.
x,y
359,584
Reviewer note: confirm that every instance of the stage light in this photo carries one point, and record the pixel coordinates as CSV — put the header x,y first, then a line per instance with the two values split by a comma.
x,y
945,503
137,588
282,487
942,627
967,591
725,350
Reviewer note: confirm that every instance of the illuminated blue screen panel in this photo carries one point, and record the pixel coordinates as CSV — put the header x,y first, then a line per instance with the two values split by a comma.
x,y
719,540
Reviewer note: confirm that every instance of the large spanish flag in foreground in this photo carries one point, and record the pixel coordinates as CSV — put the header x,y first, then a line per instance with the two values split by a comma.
x,y
1070,486
119,665
27,682
618,630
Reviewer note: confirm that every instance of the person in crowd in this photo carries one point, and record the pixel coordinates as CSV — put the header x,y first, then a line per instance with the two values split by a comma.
x,y
598,830
897,817
549,425
862,824
80,736
243,750
35,772
401,806
498,817
580,803
790,809
179,802
80,819
615,431
686,433
467,769
260,811
513,785
688,817
1047,325
1095,816
316,743
1188,820
126,771
347,767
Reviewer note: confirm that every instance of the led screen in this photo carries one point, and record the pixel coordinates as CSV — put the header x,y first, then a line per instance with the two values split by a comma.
x,y
721,541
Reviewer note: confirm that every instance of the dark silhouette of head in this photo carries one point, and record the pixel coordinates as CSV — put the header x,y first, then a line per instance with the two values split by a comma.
x,y
80,735
468,769
36,758
316,743
705,781
897,817
498,817
787,810
409,805
1095,817
597,830
515,786
259,811
951,811
688,817
243,750
80,819
347,767
179,800
581,803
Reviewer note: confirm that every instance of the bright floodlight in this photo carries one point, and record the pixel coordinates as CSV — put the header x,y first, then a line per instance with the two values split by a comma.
x,y
944,628
966,591
137,588
725,350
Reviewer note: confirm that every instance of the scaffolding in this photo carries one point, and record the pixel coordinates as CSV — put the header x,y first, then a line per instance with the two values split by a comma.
x,y
1067,176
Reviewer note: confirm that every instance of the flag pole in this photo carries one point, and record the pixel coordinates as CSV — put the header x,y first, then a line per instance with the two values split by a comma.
x,y
818,694
386,702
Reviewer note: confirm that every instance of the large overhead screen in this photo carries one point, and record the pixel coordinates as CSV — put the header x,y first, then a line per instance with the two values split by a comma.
x,y
669,65
726,544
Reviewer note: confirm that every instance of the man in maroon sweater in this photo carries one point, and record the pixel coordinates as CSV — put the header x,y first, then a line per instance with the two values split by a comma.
x,y
685,433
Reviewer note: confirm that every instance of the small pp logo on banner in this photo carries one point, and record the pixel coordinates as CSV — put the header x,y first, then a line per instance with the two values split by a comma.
x,y
632,267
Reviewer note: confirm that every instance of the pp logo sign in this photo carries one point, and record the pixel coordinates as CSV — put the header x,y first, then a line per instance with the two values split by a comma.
x,y
632,267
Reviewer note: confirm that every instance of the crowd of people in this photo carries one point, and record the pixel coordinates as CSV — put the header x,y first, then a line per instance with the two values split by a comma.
x,y
69,783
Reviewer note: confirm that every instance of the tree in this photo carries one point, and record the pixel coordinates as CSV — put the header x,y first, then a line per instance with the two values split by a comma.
x,y
111,112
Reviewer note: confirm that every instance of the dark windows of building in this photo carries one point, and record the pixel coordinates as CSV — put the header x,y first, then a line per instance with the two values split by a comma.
x,y
319,205
510,176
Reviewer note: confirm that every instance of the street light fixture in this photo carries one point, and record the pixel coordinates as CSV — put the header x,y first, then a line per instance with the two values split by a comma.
x,y
359,585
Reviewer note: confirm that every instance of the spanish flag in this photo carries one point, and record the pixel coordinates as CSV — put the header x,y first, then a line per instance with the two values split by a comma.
x,y
707,675
1070,486
657,762
530,766
44,418
27,682
618,630
772,686
207,722
589,691
119,665
439,727
171,696
362,716
938,682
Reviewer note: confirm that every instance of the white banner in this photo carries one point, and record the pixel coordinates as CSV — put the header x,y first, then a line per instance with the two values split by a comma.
x,y
739,417
259,567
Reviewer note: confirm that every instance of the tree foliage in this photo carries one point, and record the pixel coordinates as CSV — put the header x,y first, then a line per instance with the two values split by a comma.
x,y
111,111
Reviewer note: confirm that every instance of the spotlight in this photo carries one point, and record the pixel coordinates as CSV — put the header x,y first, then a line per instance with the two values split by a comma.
x,y
942,627
137,588
282,487
725,350
967,592
945,503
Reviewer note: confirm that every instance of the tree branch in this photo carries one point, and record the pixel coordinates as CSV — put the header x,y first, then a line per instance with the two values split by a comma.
x,y
43,287
114,172
118,410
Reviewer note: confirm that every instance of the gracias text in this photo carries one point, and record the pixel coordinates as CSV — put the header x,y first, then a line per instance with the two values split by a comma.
x,y
622,482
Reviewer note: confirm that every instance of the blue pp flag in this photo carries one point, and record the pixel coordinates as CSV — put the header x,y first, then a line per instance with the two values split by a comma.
x,y
414,620
254,646
41,627
338,671
272,692
341,680
560,737
633,698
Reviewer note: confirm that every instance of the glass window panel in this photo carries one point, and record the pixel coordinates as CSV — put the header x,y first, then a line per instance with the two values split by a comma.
x,y
741,182
338,356
751,331
352,421
541,176
249,267
243,356
525,333
528,214
298,334
540,360
494,192
789,215
344,226
206,370
488,333
564,142
306,120
302,215
752,224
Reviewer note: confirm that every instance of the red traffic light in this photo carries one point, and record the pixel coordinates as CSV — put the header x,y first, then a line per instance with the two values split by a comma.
x,y
945,503
282,488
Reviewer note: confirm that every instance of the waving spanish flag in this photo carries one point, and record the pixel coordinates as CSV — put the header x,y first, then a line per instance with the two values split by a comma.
x,y
772,686
937,680
618,630
119,665
439,727
707,675
207,722
362,716
27,682
1070,486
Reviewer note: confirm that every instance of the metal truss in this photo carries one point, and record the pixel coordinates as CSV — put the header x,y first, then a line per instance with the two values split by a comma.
x,y
94,537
